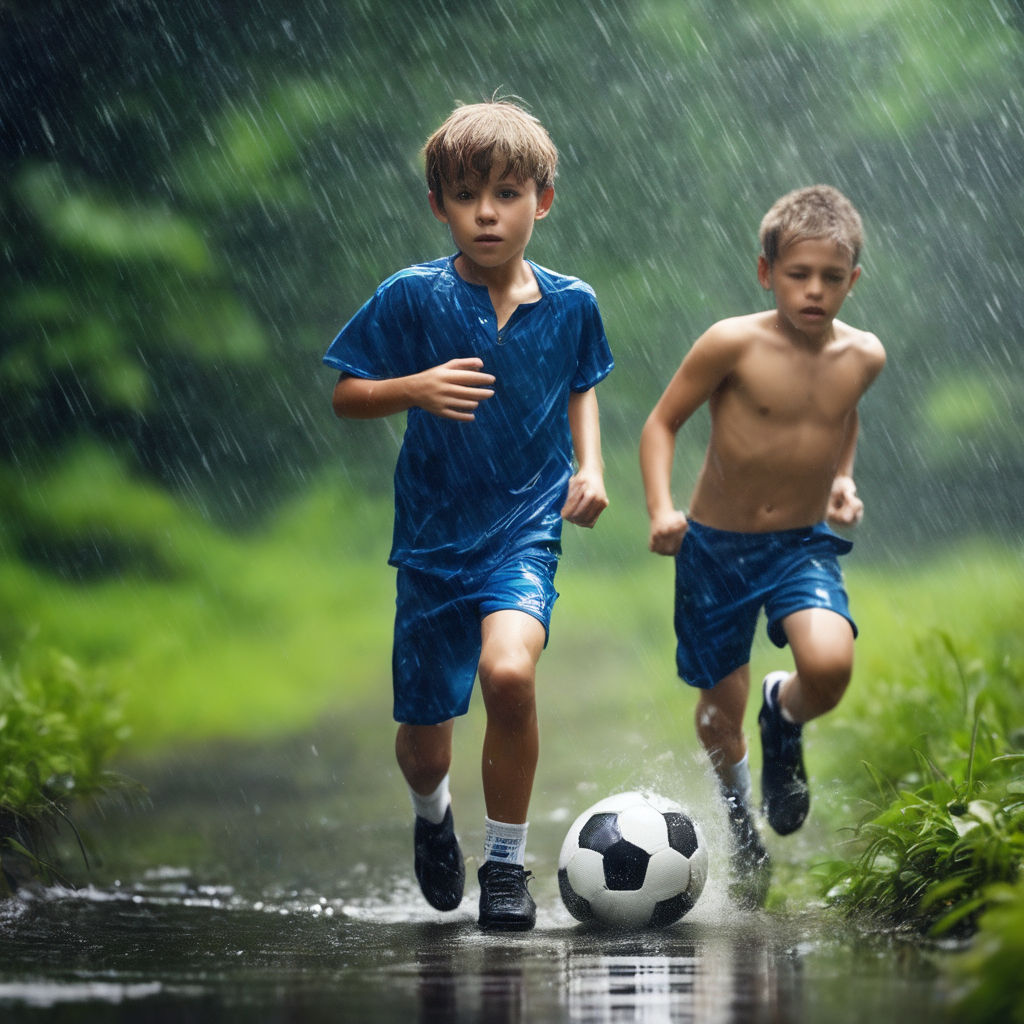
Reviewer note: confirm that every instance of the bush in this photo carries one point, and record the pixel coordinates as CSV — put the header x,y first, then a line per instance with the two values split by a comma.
x,y
989,973
951,829
59,728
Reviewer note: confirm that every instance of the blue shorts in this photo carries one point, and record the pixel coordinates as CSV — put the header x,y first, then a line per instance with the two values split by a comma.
x,y
723,579
437,629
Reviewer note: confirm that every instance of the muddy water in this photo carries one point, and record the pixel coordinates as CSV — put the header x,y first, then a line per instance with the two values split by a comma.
x,y
274,883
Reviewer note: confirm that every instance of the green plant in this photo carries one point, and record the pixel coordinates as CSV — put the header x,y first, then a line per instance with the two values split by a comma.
x,y
59,728
987,976
929,857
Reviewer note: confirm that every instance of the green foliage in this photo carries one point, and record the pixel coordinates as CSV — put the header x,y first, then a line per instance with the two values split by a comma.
x,y
203,633
988,974
184,229
60,726
928,857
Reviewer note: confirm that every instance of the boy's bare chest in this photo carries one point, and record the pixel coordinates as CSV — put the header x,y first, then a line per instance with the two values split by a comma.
x,y
781,386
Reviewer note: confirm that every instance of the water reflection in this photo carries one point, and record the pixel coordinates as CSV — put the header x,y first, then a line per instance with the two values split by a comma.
x,y
495,990
710,983
693,974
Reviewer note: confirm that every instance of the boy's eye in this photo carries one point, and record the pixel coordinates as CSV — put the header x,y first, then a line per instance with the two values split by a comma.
x,y
507,193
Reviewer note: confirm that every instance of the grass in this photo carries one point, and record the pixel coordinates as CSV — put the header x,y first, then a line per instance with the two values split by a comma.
x,y
60,728
986,977
220,635
945,820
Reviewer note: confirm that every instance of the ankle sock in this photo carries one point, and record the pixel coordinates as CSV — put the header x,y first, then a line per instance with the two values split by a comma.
x,y
505,842
432,807
735,781
775,698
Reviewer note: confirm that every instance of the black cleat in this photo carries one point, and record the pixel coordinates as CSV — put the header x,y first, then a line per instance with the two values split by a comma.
x,y
505,904
784,793
440,869
751,865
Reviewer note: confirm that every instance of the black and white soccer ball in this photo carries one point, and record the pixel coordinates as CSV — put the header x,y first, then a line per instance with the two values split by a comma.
x,y
633,860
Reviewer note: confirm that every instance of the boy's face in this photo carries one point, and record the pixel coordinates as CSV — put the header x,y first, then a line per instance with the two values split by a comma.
x,y
491,221
811,278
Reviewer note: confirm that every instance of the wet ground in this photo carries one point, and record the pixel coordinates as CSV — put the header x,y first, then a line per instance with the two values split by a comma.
x,y
274,883
166,949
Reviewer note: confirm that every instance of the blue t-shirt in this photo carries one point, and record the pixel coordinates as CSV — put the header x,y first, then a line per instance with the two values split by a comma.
x,y
468,494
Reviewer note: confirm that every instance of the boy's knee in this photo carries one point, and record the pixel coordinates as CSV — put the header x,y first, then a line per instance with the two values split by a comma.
x,y
507,684
424,751
826,679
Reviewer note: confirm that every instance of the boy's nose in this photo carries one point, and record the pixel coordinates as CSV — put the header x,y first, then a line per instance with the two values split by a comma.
x,y
485,211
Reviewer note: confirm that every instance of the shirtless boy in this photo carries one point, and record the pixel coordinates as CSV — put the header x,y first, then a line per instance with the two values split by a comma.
x,y
782,387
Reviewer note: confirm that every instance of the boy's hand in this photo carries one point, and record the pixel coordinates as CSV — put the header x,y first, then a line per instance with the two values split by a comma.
x,y
586,499
844,507
454,389
667,533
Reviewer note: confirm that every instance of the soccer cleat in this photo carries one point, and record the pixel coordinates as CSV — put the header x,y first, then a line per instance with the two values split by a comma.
x,y
440,869
784,793
751,865
505,904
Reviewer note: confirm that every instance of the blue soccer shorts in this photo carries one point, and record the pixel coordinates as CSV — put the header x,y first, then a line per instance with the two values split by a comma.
x,y
437,629
724,579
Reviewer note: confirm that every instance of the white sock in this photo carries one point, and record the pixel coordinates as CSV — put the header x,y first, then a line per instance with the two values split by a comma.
x,y
775,696
433,805
505,842
735,781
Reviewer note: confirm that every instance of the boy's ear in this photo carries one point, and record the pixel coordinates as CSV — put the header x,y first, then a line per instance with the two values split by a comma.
x,y
544,201
854,276
764,273
437,207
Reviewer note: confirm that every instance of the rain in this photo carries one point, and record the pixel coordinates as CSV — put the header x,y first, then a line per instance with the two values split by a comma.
x,y
200,813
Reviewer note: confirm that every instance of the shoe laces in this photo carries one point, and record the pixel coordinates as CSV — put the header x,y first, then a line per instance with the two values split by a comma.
x,y
507,879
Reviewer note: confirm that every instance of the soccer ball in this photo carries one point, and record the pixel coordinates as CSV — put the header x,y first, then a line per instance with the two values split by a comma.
x,y
633,860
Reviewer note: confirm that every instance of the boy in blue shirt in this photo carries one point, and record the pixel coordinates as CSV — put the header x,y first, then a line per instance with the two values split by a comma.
x,y
782,387
495,360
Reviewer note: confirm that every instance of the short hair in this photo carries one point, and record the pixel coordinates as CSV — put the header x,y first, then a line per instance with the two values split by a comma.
x,y
818,211
478,137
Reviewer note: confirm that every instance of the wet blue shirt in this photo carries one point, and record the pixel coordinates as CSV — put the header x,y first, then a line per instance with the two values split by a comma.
x,y
468,494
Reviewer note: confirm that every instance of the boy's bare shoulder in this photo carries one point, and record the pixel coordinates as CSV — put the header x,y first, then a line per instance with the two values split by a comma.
x,y
737,331
864,343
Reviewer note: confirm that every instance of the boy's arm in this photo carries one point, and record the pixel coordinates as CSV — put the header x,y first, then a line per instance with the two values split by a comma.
x,y
452,390
705,367
844,507
587,498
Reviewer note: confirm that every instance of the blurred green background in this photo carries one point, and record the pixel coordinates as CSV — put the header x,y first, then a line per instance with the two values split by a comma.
x,y
196,196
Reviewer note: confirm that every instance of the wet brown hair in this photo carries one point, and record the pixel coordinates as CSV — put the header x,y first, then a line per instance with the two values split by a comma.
x,y
818,211
479,137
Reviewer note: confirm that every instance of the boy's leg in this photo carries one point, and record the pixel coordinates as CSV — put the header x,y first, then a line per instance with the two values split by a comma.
x,y
822,643
424,755
512,642
512,645
719,720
